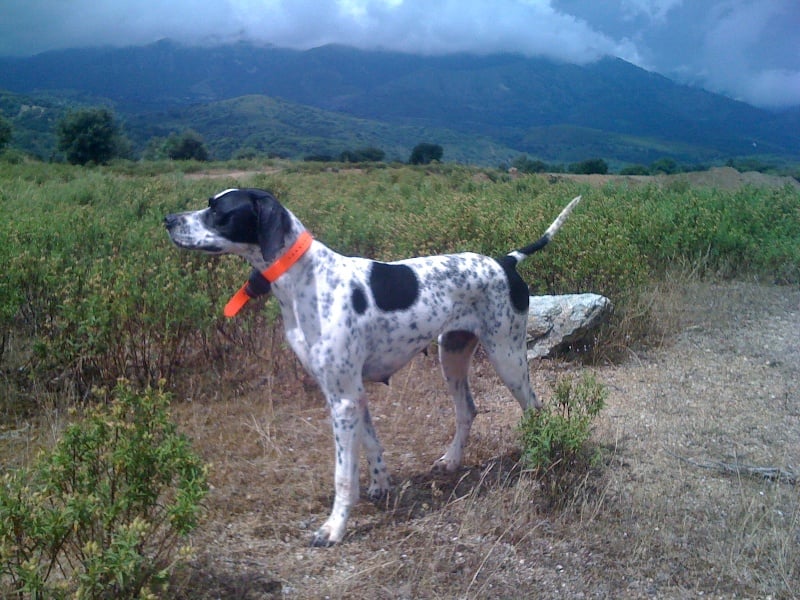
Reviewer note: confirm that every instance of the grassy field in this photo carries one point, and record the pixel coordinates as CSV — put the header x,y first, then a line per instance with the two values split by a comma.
x,y
93,291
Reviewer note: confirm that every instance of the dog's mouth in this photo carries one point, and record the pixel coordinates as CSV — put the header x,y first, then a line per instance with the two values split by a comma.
x,y
193,245
177,230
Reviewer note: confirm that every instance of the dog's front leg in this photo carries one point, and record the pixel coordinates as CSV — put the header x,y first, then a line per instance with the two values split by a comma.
x,y
347,418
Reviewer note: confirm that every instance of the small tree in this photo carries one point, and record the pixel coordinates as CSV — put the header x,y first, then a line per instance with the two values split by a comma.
x,y
526,165
425,153
668,166
89,135
5,132
589,167
635,170
368,154
188,145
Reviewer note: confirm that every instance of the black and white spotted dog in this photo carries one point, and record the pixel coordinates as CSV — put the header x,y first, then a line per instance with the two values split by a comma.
x,y
351,320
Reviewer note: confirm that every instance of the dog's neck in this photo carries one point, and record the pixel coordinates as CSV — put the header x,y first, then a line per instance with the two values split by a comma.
x,y
257,260
265,272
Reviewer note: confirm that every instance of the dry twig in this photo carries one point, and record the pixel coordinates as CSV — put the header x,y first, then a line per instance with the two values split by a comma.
x,y
770,473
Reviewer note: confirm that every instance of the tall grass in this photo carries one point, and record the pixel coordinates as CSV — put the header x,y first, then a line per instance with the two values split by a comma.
x,y
93,290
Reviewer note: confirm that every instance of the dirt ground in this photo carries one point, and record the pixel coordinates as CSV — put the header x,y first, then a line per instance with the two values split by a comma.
x,y
721,178
672,512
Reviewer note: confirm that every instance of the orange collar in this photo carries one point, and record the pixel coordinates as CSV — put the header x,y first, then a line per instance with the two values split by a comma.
x,y
282,264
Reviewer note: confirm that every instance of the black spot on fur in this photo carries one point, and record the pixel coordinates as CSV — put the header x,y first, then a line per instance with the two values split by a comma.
x,y
456,341
359,300
518,289
394,287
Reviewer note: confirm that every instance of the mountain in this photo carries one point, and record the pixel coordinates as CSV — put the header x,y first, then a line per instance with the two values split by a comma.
x,y
553,111
278,127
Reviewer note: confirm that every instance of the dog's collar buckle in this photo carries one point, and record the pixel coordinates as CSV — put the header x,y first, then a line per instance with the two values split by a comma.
x,y
282,264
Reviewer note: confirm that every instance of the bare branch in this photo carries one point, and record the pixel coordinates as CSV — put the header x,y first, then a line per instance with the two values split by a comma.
x,y
771,473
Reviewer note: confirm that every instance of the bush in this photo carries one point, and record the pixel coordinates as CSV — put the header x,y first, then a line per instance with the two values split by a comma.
x,y
425,153
557,434
526,165
93,288
5,132
188,145
589,167
368,154
635,170
103,513
555,439
667,166
90,135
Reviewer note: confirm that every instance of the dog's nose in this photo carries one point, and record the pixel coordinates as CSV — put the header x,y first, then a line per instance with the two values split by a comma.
x,y
170,221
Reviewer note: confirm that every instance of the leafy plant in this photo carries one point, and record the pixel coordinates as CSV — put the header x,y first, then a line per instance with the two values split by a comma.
x,y
555,438
102,514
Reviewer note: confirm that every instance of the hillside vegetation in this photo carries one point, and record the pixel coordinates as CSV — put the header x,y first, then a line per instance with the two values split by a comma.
x,y
479,107
95,291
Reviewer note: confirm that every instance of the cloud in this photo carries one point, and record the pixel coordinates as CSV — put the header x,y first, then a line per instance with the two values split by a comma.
x,y
744,48
653,10
737,53
527,26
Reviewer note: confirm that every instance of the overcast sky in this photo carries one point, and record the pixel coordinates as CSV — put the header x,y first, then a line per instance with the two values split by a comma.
x,y
746,49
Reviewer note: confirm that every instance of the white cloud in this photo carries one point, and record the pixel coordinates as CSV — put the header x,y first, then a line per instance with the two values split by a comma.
x,y
774,88
732,57
746,48
654,10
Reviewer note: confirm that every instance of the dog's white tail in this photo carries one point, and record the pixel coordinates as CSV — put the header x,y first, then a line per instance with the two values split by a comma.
x,y
523,253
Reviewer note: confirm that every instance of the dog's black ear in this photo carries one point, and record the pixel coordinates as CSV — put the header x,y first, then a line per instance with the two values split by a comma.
x,y
273,223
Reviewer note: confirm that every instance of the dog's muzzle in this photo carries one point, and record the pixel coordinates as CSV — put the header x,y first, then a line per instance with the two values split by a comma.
x,y
171,221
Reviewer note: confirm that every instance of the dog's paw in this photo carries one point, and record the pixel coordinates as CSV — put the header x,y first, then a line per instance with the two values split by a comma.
x,y
321,540
377,493
326,536
445,465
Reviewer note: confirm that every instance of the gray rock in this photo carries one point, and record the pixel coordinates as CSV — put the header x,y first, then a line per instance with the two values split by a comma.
x,y
557,321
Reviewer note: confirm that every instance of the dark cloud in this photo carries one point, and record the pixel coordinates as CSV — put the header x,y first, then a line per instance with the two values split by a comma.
x,y
748,49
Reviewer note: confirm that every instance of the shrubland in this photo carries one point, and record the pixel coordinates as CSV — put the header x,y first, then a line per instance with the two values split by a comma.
x,y
93,289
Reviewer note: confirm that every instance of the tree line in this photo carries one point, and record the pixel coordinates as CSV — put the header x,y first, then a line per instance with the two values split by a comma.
x,y
93,135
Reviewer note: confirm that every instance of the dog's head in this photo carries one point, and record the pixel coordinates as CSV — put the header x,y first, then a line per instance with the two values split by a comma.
x,y
236,221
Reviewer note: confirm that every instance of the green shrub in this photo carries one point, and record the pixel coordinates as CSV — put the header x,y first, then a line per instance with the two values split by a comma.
x,y
634,170
425,153
93,289
102,514
589,167
90,135
556,435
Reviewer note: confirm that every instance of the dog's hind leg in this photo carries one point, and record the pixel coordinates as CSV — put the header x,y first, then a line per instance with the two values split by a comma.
x,y
510,361
378,475
455,354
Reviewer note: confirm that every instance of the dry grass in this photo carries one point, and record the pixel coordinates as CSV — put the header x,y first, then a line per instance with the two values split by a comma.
x,y
644,525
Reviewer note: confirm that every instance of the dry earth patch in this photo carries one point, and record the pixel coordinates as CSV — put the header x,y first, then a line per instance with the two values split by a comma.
x,y
646,524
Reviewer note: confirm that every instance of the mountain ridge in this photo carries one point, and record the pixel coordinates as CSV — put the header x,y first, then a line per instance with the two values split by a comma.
x,y
553,111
